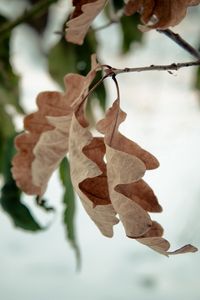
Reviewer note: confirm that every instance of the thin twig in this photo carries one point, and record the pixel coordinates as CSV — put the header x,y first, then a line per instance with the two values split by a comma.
x,y
27,15
171,67
117,86
181,42
110,138
79,102
112,72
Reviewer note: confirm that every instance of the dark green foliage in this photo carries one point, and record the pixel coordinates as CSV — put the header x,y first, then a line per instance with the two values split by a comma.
x,y
69,206
39,23
10,199
130,32
128,26
118,4
9,94
18,212
197,81
6,131
66,58
9,91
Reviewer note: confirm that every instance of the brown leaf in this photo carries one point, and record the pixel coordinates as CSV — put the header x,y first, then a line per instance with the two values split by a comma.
x,y
41,149
126,165
85,12
184,249
88,174
162,246
109,126
78,7
130,195
160,13
49,104
153,239
158,244
141,193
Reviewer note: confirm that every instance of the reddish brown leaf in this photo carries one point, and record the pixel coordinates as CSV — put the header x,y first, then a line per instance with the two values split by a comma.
x,y
88,173
130,195
160,13
153,239
126,164
85,12
109,126
51,104
141,193
41,149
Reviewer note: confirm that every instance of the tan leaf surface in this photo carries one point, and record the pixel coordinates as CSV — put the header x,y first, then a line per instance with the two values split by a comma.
x,y
45,143
141,193
49,104
126,165
130,195
160,13
153,239
85,12
88,174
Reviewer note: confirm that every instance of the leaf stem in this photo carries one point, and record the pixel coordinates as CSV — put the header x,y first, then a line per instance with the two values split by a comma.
x,y
180,42
117,86
91,90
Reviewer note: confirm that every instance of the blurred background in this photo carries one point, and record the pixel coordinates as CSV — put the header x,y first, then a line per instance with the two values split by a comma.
x,y
40,246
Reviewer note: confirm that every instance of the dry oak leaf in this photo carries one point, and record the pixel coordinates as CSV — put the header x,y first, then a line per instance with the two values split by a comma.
x,y
43,146
126,165
159,14
130,195
154,240
49,104
85,12
88,174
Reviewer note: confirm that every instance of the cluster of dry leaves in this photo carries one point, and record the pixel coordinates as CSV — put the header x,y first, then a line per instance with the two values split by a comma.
x,y
106,171
159,14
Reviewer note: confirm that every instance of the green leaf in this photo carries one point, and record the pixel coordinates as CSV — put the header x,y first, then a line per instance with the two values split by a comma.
x,y
66,58
70,207
18,212
10,198
39,21
118,4
62,60
197,80
130,32
6,130
9,90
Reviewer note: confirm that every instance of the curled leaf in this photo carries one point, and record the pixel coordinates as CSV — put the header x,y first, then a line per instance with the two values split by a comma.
x,y
158,13
126,165
141,193
85,12
88,173
131,196
154,240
